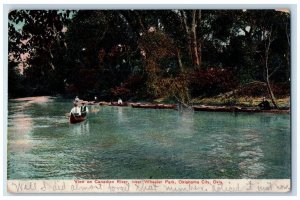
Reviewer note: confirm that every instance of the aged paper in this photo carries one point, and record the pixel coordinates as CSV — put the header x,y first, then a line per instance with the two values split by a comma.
x,y
244,153
149,186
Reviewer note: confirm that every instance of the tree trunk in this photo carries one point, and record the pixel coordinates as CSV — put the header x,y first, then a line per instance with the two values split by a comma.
x,y
271,94
194,46
140,21
179,60
199,42
267,46
187,31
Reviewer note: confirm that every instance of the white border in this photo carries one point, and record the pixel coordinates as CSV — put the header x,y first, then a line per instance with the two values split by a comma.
x,y
214,4
170,2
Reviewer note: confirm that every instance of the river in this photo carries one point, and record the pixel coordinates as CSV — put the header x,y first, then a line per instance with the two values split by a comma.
x,y
132,143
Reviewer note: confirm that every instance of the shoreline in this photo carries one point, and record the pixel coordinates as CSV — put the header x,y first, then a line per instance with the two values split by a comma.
x,y
205,104
208,108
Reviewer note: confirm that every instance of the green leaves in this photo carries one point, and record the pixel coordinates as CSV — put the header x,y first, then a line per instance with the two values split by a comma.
x,y
110,46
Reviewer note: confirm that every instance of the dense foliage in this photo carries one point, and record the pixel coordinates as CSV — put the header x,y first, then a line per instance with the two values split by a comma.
x,y
147,54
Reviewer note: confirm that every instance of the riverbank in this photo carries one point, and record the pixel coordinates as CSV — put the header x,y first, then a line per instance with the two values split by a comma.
x,y
200,107
222,100
239,101
216,104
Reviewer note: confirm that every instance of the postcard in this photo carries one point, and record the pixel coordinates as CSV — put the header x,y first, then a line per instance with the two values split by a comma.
x,y
149,101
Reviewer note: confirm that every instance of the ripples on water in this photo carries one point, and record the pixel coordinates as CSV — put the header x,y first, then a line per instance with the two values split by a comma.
x,y
122,142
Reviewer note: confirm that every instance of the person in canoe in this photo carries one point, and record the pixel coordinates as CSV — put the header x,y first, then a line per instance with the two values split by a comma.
x,y
76,111
83,109
77,99
120,102
264,105
76,115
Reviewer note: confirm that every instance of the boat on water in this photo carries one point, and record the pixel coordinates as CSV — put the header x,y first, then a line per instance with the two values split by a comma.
x,y
76,119
103,103
236,109
118,104
154,106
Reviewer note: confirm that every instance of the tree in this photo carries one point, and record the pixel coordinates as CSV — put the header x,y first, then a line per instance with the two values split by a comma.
x,y
41,37
270,31
102,52
183,26
106,46
258,47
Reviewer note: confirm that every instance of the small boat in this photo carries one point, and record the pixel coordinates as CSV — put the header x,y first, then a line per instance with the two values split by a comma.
x,y
90,103
236,109
214,108
103,103
76,119
138,105
166,106
118,104
154,106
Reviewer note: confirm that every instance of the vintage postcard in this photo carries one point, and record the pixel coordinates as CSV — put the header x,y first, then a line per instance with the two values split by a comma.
x,y
149,101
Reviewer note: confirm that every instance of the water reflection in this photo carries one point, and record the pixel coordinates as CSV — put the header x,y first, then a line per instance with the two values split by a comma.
x,y
186,123
81,128
94,109
120,114
22,123
251,155
122,142
20,126
28,101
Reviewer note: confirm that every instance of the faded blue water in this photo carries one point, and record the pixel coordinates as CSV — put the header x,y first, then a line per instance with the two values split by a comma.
x,y
131,143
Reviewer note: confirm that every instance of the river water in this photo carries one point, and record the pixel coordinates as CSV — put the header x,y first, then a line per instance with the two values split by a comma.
x,y
132,143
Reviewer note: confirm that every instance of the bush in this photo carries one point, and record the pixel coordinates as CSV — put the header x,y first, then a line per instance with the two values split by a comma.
x,y
212,81
132,87
255,89
281,89
120,92
259,89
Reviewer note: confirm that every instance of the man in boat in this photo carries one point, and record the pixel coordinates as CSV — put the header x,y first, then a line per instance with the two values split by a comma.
x,y
76,111
264,105
120,101
77,99
84,110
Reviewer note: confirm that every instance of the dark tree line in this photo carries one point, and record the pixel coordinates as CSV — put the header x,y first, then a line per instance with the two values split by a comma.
x,y
147,54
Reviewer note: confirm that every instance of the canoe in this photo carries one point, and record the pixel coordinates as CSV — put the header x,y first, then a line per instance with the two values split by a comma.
x,y
276,111
117,104
138,105
76,119
154,106
214,108
91,103
235,109
165,106
103,103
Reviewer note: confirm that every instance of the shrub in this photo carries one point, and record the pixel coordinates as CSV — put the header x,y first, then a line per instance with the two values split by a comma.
x,y
132,87
259,89
120,92
212,81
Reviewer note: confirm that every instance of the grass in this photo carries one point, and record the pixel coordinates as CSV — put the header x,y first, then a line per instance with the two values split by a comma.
x,y
239,101
243,101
